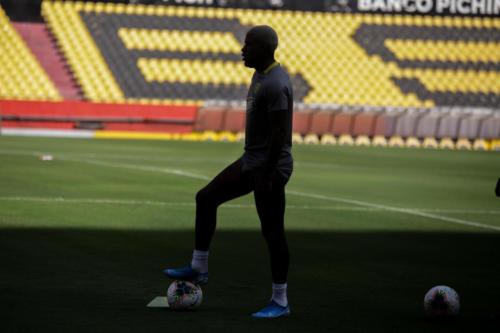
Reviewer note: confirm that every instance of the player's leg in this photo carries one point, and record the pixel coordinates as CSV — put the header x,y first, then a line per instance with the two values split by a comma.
x,y
271,209
229,184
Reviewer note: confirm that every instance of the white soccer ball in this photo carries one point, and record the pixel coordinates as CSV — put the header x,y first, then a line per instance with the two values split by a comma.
x,y
441,301
184,295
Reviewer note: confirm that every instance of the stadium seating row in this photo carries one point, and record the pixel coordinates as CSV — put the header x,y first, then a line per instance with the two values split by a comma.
x,y
415,128
21,76
124,52
82,55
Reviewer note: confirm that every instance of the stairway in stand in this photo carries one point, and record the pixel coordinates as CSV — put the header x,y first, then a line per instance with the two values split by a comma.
x,y
42,45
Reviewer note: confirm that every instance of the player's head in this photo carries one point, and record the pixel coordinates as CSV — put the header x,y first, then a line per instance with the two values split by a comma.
x,y
260,43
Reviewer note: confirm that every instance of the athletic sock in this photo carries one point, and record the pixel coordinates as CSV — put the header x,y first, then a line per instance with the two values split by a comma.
x,y
279,294
200,261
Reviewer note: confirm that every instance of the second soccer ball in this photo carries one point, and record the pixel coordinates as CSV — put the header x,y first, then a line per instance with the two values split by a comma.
x,y
441,301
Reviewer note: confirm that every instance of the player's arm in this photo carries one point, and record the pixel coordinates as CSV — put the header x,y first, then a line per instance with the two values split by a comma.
x,y
277,136
277,98
276,140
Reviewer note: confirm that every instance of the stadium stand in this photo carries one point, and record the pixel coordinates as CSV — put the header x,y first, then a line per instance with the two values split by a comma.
x,y
39,41
155,53
370,79
21,76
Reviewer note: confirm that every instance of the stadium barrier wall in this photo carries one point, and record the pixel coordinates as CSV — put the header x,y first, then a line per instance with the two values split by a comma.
x,y
415,128
427,128
97,116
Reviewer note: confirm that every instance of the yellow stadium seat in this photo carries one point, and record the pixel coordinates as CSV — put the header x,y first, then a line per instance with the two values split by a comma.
x,y
345,140
320,47
412,142
430,142
362,140
22,77
463,143
481,144
379,141
396,141
297,138
328,139
311,139
495,145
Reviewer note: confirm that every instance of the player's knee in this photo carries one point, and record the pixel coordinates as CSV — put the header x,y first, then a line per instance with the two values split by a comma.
x,y
204,197
201,196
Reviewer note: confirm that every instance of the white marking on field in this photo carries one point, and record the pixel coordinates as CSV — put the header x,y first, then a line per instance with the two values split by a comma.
x,y
105,201
159,302
396,209
132,157
170,204
176,172
365,204
98,201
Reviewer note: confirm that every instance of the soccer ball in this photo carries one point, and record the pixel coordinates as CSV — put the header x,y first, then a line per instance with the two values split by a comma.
x,y
184,295
441,301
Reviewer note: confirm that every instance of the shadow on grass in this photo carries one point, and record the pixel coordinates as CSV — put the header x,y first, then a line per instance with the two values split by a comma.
x,y
101,280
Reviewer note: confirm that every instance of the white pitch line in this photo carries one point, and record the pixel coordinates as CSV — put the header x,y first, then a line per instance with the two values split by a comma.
x,y
166,203
176,172
396,209
105,201
97,201
70,155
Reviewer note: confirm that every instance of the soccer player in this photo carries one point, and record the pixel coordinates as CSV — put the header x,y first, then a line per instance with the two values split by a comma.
x,y
264,168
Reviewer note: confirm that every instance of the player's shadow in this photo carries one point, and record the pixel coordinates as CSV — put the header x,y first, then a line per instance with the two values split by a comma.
x,y
74,280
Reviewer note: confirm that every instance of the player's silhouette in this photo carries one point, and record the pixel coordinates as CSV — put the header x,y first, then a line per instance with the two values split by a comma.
x,y
264,169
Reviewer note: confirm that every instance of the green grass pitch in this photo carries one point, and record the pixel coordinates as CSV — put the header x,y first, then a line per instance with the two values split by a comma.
x,y
83,238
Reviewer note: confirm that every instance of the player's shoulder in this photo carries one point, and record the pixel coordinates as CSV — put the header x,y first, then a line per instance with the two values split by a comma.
x,y
277,79
279,73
